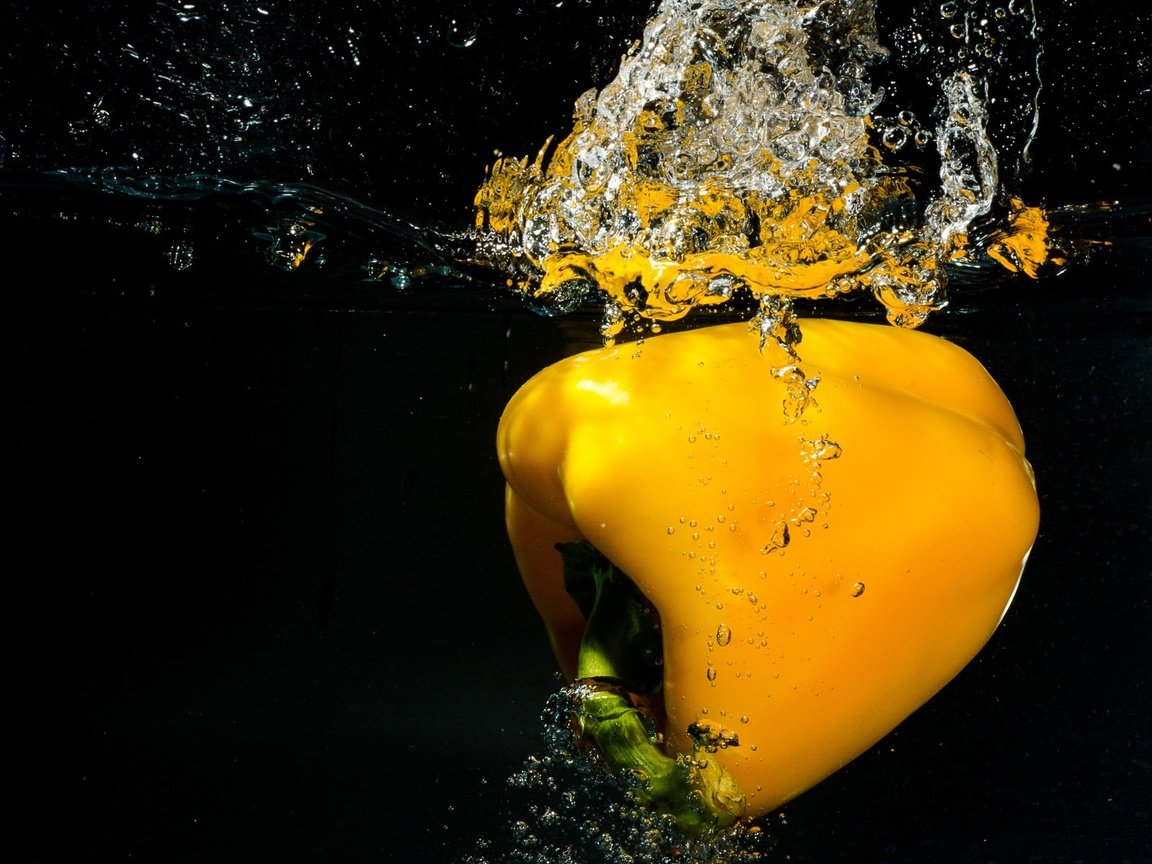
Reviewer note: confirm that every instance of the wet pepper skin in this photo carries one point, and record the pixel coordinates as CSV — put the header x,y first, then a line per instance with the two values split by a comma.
x,y
676,460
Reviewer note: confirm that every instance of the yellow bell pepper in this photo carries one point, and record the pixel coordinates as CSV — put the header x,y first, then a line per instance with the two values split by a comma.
x,y
818,559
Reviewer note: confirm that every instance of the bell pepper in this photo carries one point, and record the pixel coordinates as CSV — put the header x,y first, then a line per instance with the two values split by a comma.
x,y
757,564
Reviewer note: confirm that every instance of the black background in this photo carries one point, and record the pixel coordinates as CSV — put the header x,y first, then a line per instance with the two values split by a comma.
x,y
261,606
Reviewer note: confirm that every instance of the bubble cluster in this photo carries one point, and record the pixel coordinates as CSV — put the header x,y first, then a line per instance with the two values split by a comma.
x,y
567,809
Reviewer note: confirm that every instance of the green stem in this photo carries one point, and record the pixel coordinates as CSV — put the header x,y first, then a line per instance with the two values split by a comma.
x,y
621,658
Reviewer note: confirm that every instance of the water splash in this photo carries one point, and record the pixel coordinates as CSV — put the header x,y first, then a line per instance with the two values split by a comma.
x,y
297,227
736,155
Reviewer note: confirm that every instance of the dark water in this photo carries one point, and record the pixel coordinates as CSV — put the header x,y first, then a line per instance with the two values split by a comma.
x,y
261,605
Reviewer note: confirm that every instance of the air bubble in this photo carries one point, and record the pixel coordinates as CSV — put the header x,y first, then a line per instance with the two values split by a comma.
x,y
462,34
894,138
779,540
808,514
822,449
180,255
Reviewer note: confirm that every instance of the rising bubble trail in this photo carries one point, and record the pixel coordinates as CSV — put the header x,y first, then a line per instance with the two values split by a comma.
x,y
569,809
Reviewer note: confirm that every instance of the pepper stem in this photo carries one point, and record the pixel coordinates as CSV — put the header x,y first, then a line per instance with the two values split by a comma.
x,y
621,660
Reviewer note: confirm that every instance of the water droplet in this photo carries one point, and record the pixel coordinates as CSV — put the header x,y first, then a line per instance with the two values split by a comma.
x,y
723,635
711,674
857,589
671,530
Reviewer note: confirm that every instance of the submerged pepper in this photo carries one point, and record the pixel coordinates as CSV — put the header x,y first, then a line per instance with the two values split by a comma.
x,y
759,575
